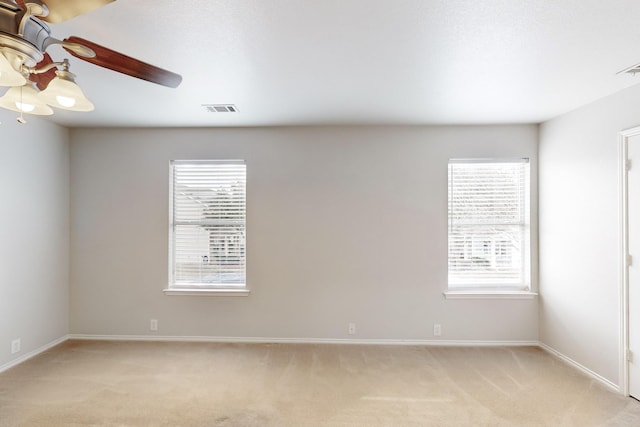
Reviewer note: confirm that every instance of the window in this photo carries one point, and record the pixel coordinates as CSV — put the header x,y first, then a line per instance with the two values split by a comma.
x,y
208,225
489,225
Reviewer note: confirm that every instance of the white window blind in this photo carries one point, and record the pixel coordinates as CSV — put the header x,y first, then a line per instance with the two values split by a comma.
x,y
208,224
489,224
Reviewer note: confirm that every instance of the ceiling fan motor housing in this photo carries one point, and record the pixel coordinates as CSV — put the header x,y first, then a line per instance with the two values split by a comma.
x,y
22,34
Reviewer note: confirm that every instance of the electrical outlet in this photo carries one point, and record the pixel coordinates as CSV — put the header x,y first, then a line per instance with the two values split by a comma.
x,y
437,329
15,346
352,328
153,325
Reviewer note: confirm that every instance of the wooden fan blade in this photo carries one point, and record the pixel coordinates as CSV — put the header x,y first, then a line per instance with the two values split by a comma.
x,y
124,64
42,80
63,10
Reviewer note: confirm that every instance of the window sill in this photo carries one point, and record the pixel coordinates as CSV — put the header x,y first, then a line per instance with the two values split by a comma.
x,y
487,294
208,292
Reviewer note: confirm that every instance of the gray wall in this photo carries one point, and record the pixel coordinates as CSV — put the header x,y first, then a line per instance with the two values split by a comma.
x,y
344,225
579,231
34,248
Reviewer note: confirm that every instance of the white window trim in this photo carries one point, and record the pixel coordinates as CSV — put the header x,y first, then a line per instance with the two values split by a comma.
x,y
208,292
217,290
489,294
493,291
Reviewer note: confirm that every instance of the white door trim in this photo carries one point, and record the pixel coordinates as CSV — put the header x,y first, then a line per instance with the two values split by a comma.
x,y
623,138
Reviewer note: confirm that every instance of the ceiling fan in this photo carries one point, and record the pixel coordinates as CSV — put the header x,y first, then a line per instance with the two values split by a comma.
x,y
26,67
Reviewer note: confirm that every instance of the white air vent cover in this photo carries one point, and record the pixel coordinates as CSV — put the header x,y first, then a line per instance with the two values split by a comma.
x,y
631,70
220,108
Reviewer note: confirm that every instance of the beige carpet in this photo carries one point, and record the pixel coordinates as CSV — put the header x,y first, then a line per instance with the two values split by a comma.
x,y
86,383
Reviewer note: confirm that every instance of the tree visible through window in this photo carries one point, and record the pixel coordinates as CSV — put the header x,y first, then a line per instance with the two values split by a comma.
x,y
208,224
489,224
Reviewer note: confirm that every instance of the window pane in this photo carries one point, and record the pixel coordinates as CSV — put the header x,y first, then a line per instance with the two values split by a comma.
x,y
208,224
481,255
209,254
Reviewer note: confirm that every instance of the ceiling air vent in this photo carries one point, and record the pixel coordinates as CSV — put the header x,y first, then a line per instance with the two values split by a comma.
x,y
631,70
220,108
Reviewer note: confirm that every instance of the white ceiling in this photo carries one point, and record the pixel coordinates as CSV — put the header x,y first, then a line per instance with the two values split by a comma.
x,y
299,62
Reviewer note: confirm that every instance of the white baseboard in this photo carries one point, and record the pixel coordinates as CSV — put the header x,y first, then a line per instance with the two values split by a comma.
x,y
33,353
602,380
272,340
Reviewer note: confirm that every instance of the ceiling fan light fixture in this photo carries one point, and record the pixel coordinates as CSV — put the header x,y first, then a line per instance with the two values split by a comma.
x,y
25,99
8,75
65,101
25,107
63,92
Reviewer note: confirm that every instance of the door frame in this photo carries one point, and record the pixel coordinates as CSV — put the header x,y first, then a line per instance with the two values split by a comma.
x,y
623,141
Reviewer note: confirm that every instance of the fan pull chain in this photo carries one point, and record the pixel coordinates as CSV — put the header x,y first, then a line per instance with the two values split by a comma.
x,y
21,118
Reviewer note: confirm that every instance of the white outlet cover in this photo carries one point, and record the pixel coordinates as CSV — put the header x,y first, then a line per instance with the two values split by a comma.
x,y
15,346
437,330
352,328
